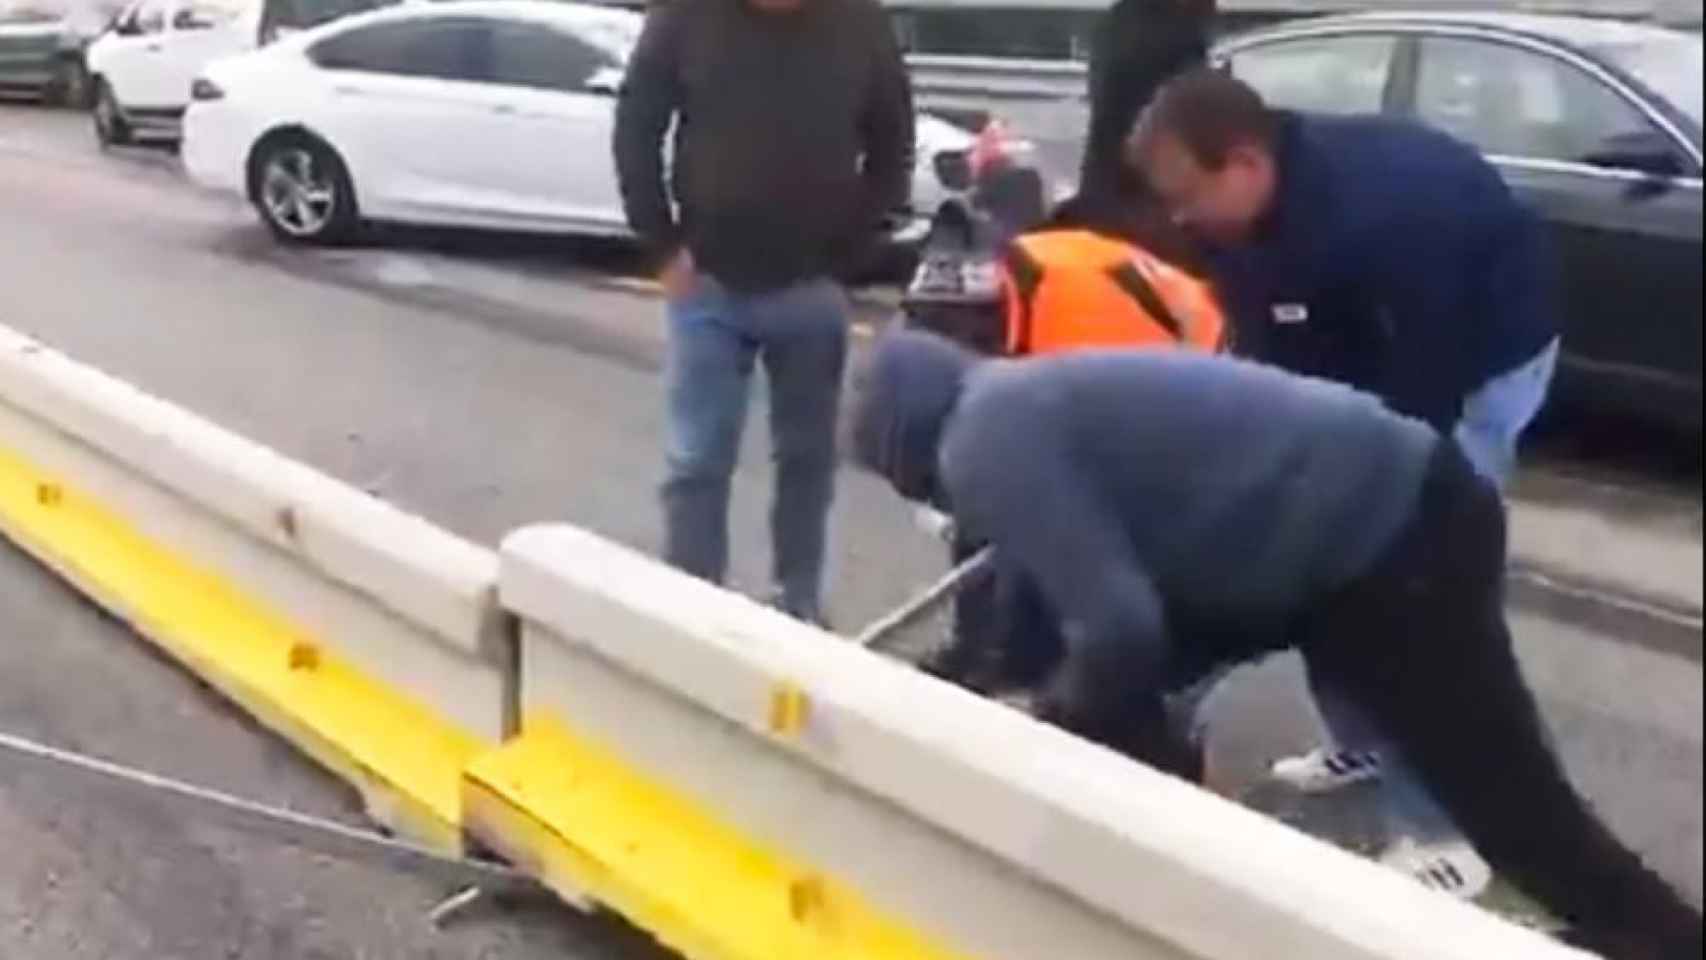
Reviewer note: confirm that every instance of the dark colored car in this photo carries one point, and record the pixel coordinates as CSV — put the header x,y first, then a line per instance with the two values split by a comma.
x,y
41,48
1596,124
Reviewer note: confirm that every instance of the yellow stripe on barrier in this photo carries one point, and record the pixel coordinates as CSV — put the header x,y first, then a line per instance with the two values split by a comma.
x,y
583,821
406,760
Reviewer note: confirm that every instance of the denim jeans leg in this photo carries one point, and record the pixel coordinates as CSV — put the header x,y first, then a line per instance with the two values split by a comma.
x,y
709,367
1495,416
804,336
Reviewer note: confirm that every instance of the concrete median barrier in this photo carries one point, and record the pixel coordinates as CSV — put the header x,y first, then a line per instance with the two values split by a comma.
x,y
750,788
366,636
741,785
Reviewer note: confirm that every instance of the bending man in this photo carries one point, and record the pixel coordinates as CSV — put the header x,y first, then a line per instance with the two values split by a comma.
x,y
1176,508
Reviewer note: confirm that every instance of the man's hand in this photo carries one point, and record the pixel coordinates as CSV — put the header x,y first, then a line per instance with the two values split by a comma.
x,y
679,276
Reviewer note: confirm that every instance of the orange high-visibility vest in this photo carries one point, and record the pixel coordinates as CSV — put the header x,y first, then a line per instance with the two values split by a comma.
x,y
1074,289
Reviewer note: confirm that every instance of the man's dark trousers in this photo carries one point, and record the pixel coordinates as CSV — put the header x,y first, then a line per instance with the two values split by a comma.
x,y
1421,643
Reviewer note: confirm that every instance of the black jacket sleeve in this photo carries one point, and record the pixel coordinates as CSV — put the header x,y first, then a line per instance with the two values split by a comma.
x,y
651,97
888,128
1448,300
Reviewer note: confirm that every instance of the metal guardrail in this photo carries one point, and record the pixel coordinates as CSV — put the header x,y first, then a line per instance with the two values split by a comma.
x,y
997,78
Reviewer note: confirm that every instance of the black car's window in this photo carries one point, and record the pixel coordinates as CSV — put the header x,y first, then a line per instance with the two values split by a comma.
x,y
440,49
1513,102
1671,64
1341,75
524,55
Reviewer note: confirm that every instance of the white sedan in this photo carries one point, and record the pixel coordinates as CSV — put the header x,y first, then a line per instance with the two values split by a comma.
x,y
485,114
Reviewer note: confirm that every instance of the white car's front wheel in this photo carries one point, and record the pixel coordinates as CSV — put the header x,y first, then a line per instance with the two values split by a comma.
x,y
302,190
111,127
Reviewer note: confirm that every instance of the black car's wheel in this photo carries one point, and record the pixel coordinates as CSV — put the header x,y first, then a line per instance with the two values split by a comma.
x,y
302,190
111,128
71,86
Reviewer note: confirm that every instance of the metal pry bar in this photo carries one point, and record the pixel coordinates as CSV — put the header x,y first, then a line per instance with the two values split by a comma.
x,y
879,634
91,775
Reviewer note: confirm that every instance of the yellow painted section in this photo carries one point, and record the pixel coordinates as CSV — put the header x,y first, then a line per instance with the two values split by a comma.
x,y
585,822
406,760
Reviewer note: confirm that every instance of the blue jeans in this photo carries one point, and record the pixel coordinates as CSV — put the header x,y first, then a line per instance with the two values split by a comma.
x,y
716,338
1494,418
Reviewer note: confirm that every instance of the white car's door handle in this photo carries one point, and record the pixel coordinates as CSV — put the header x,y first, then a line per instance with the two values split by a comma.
x,y
504,109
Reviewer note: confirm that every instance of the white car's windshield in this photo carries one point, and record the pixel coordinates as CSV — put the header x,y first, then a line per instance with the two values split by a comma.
x,y
1671,66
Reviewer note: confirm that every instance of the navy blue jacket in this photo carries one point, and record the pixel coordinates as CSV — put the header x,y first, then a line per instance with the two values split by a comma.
x,y
1151,495
1396,260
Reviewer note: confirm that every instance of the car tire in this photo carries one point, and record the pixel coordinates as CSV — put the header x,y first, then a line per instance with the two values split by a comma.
x,y
111,128
71,86
302,191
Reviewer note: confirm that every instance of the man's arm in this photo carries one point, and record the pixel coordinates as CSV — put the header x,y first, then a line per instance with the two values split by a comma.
x,y
889,128
1463,285
1439,297
651,97
1078,554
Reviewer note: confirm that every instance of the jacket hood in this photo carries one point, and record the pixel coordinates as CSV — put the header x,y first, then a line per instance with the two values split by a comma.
x,y
910,389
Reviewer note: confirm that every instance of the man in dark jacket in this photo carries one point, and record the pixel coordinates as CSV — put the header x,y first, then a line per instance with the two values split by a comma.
x,y
1165,523
793,141
1387,256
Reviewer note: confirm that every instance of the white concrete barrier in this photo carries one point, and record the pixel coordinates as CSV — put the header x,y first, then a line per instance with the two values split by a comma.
x,y
743,786
748,787
365,635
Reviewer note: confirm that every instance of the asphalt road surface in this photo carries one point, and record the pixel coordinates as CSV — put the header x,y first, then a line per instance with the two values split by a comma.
x,y
486,383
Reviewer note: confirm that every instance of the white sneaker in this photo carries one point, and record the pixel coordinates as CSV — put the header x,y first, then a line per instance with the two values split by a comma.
x,y
1452,868
1323,771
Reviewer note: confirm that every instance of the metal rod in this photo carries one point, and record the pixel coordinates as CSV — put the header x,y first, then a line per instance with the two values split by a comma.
x,y
973,570
81,774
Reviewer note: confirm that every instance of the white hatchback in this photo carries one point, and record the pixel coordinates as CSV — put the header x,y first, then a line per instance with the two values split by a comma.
x,y
478,113
141,67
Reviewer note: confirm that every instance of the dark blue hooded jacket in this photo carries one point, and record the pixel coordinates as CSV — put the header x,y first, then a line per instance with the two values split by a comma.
x,y
1145,490
1395,260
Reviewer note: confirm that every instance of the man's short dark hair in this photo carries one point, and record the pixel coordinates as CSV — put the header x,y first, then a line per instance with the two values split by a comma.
x,y
1211,113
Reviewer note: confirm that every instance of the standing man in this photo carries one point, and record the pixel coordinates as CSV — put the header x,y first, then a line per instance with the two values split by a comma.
x,y
1139,45
793,140
1390,257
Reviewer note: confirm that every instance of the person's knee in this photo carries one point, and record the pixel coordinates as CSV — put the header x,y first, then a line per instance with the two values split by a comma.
x,y
804,438
703,452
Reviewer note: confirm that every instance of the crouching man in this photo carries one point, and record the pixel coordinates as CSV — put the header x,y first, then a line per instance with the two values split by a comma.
x,y
1178,508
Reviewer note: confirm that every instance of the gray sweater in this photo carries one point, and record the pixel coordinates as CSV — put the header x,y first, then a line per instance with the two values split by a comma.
x,y
1146,490
794,136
